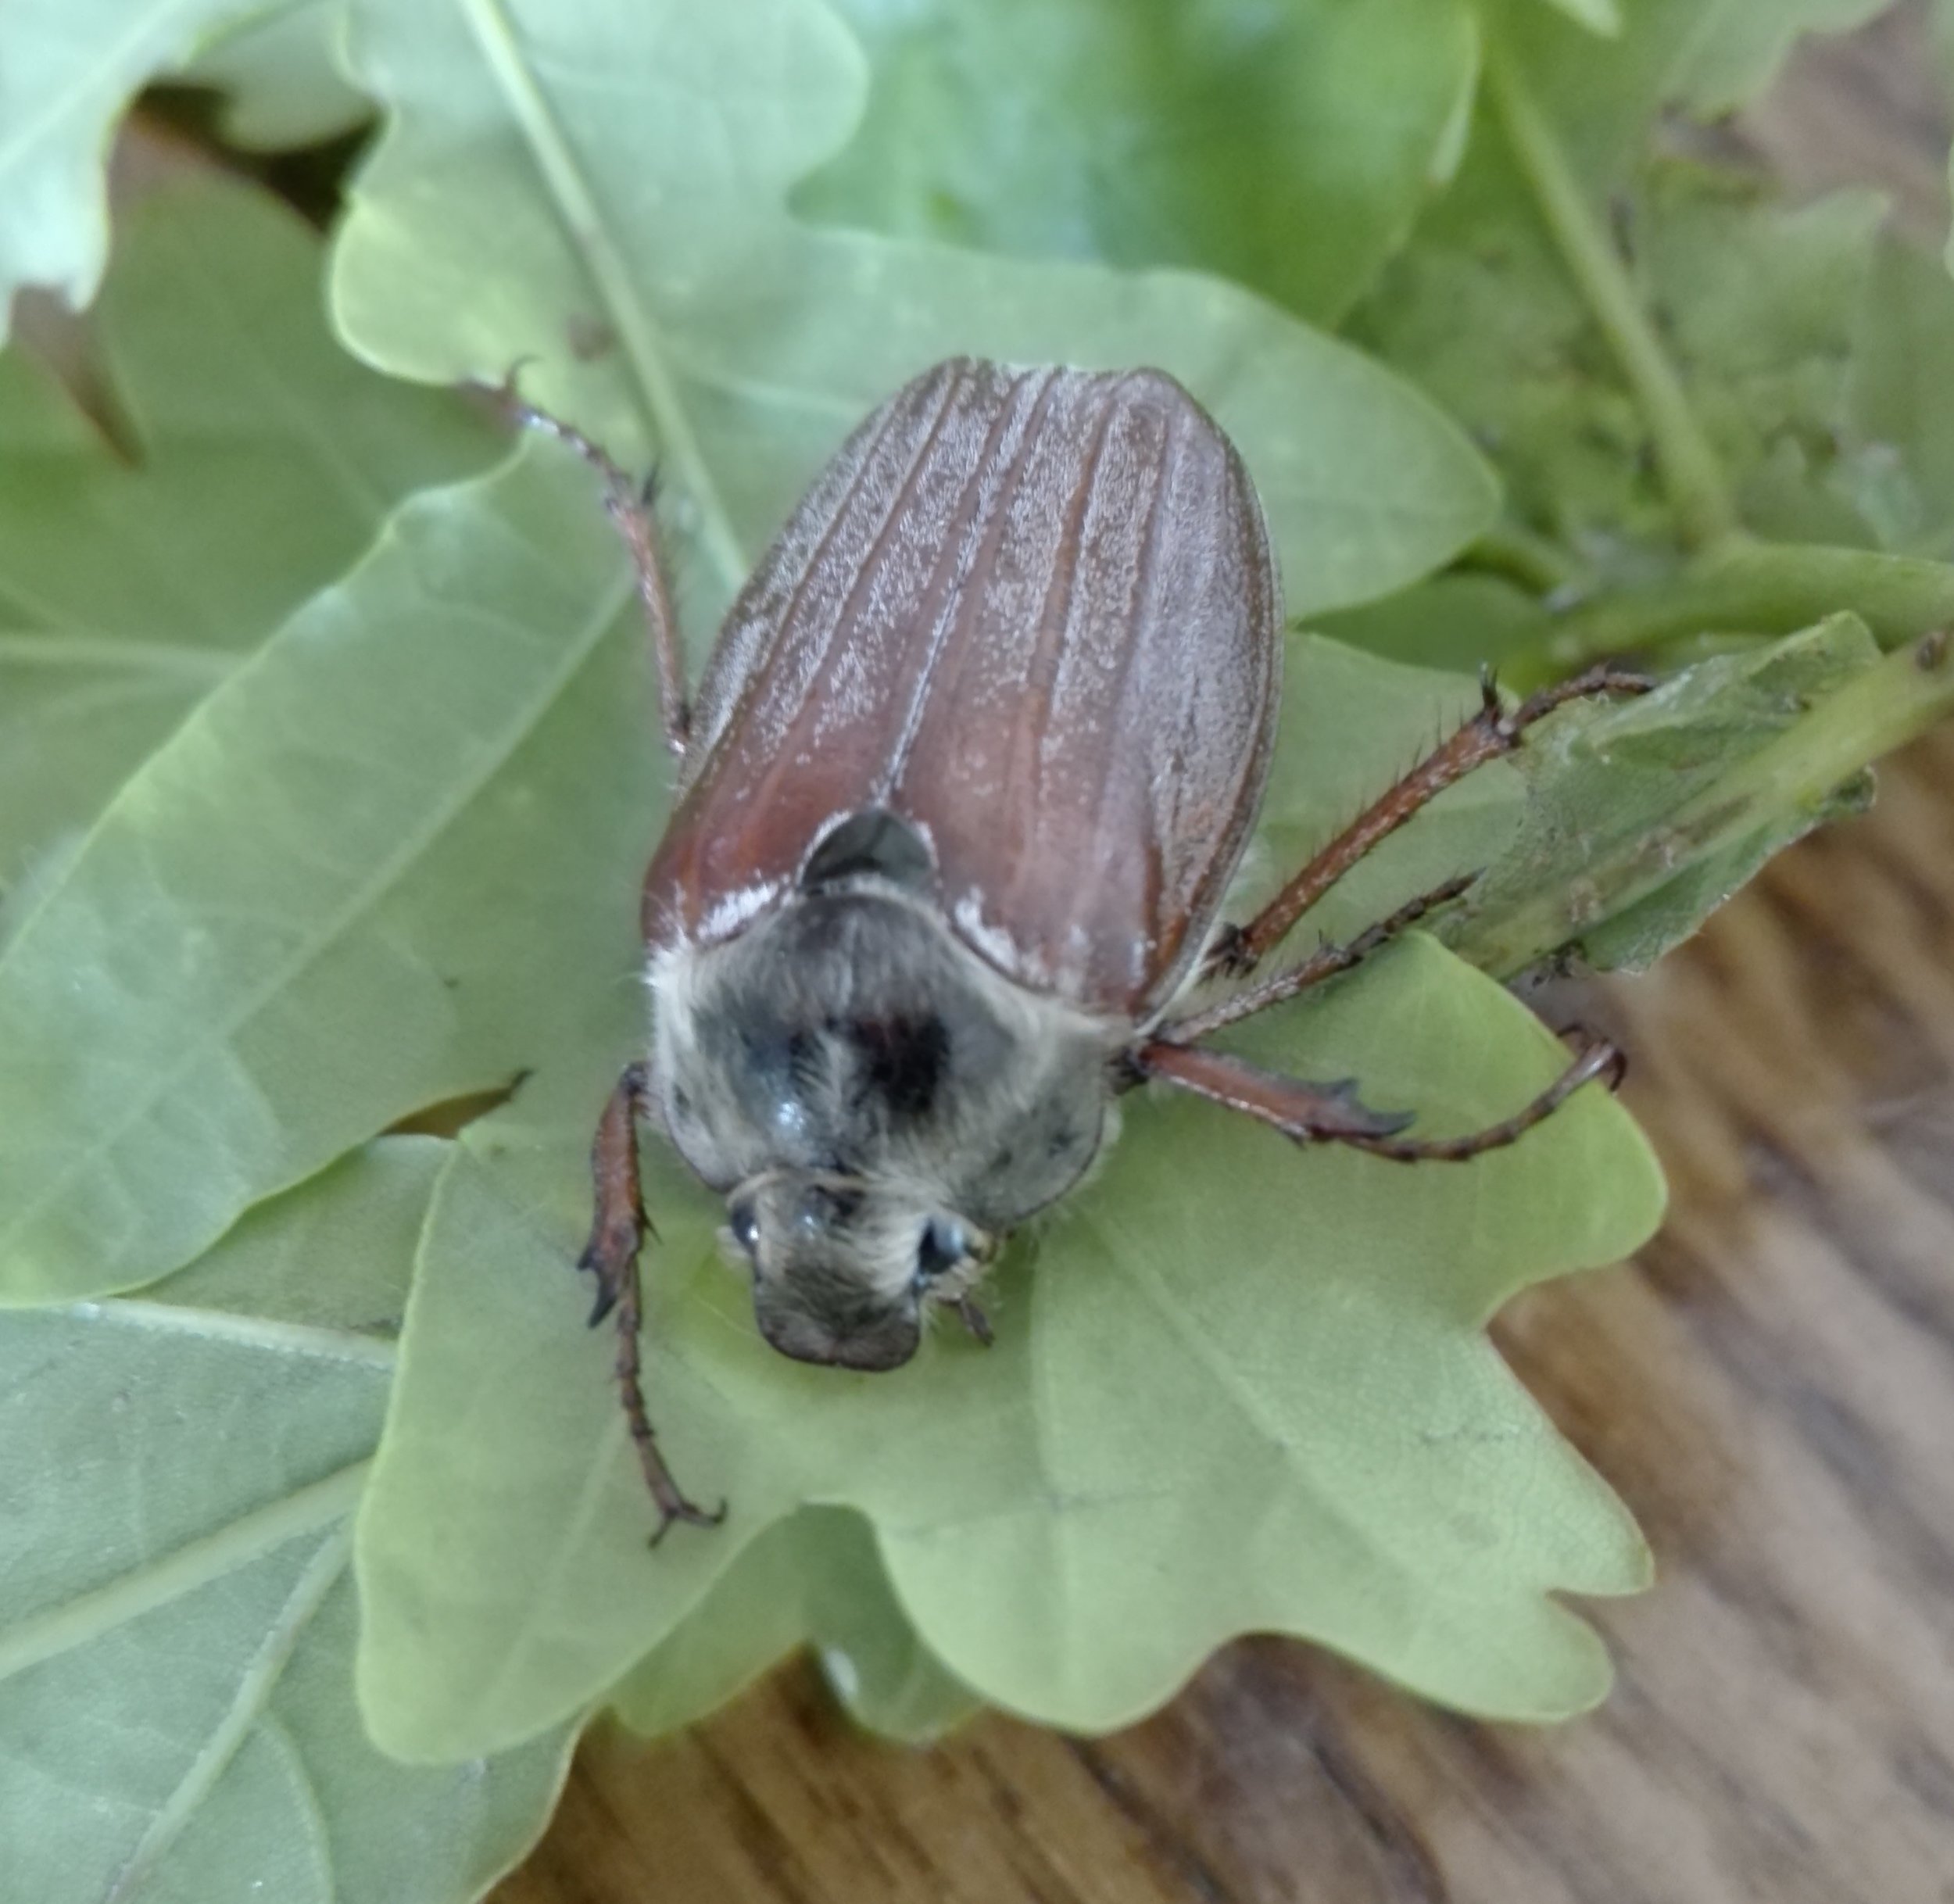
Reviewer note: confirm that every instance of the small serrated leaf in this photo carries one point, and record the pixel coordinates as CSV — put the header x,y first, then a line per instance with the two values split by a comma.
x,y
1640,820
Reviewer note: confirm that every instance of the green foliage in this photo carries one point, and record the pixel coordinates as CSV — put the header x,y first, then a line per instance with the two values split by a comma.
x,y
1287,149
387,817
281,77
1663,361
176,1709
1645,817
814,1577
1049,1510
326,779
257,461
631,236
71,66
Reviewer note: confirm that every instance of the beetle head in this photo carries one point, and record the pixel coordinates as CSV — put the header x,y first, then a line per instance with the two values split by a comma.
x,y
843,1265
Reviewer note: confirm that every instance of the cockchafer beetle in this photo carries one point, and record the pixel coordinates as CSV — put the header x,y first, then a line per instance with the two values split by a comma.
x,y
972,764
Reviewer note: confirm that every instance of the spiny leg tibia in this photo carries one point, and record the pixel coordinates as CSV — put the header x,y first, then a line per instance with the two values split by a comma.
x,y
617,1232
1332,1113
629,505
1324,963
1492,732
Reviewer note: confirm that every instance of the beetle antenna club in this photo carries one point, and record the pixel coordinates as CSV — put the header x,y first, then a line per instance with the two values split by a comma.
x,y
922,906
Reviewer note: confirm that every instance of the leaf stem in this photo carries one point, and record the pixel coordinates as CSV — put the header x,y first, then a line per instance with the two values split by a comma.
x,y
1692,472
1761,589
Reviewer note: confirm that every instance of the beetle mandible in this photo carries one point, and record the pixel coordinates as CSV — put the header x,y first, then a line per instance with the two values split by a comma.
x,y
974,759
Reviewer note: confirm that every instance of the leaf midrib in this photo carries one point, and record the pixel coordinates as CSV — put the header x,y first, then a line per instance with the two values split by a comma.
x,y
577,209
87,1616
255,1685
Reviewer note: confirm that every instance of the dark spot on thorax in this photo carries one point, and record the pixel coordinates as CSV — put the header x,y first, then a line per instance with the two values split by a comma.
x,y
902,1059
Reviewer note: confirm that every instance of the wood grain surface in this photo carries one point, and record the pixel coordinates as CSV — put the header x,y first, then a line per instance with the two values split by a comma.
x,y
1770,1386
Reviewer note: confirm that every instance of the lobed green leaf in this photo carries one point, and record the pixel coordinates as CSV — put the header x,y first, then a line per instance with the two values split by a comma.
x,y
1288,149
259,461
177,1618
812,1578
602,193
72,67
1320,1405
344,888
282,79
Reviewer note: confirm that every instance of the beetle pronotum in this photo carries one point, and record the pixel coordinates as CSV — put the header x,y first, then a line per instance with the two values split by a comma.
x,y
972,763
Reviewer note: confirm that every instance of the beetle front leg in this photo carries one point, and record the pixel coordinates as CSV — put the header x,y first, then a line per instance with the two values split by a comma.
x,y
629,505
1495,730
617,1231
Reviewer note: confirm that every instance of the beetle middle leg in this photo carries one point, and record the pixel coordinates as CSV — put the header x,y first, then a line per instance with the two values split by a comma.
x,y
1325,963
1495,730
617,1232
629,505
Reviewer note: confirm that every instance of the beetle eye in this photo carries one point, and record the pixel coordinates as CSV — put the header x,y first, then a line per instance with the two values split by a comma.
x,y
743,1221
944,1243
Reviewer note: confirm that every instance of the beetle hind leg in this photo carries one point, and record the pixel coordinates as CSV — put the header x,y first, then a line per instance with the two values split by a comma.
x,y
1309,1113
617,1231
1596,1061
1494,731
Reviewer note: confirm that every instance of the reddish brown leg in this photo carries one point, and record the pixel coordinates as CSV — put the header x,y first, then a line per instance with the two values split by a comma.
x,y
629,505
617,1232
1324,963
1319,1113
1492,732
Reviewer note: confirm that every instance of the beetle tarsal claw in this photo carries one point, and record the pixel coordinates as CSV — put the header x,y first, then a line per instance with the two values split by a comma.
x,y
975,1320
679,1508
1359,1117
606,1298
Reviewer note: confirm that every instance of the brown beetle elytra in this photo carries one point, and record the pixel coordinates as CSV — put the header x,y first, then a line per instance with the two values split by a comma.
x,y
974,759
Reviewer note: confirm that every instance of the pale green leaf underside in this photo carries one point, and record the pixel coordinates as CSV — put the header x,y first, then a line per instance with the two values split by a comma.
x,y
1602,16
177,1616
281,77
1226,1347
265,461
812,1578
334,894
602,192
71,67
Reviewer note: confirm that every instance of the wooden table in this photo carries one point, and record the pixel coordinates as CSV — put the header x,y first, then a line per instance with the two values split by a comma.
x,y
1770,1386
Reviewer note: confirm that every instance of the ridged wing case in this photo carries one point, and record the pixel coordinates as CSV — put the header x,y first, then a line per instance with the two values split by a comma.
x,y
1033,613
